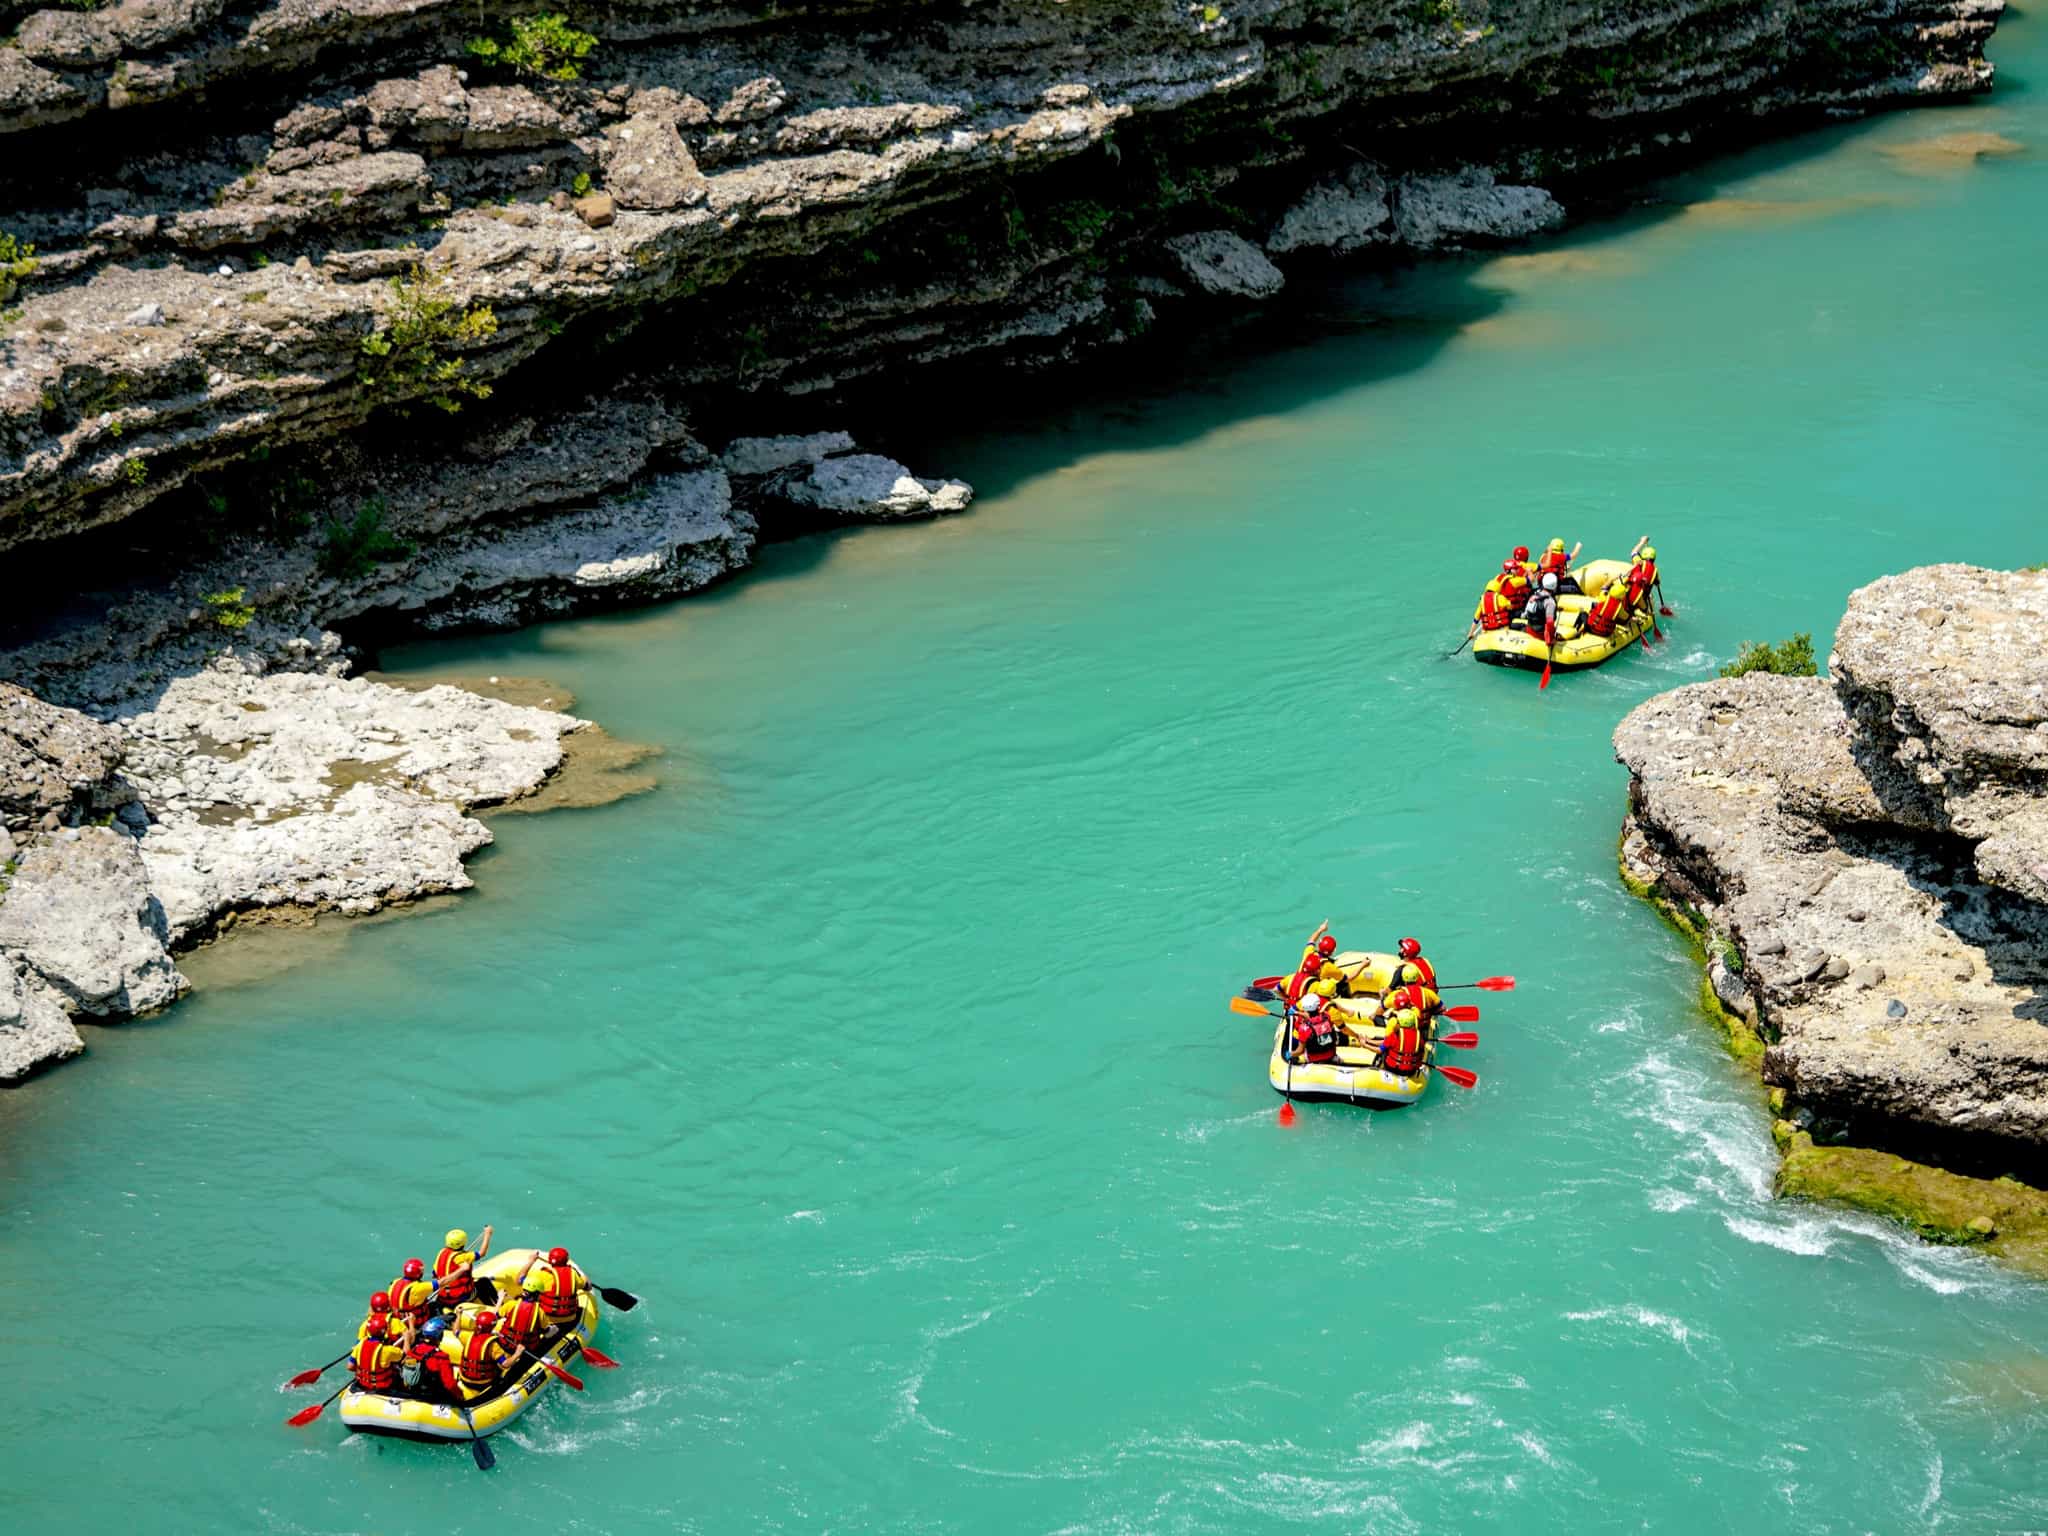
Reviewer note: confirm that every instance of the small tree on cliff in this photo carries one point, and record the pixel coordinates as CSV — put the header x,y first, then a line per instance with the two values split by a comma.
x,y
411,356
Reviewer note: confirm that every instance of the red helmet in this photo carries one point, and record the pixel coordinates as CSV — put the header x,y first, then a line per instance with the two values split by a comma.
x,y
1409,949
380,1302
414,1269
1326,945
558,1255
1521,551
1509,567
486,1320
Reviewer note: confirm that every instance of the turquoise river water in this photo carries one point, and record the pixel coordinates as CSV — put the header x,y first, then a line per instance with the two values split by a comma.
x,y
884,1049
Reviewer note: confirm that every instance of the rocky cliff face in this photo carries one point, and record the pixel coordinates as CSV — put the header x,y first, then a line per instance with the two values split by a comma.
x,y
347,318
1867,851
778,198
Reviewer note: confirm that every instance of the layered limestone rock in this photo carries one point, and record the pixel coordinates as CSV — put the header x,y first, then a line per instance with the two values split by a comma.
x,y
1862,842
800,197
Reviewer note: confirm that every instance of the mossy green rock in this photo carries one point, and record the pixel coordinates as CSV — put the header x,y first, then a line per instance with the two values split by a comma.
x,y
2003,1215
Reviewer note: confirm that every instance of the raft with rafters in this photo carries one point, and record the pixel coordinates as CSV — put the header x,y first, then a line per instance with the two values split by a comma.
x,y
1577,647
515,1392
1355,1077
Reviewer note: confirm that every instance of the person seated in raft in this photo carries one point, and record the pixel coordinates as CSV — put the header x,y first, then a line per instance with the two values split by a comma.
x,y
1314,1031
564,1285
378,1323
375,1363
1411,994
1541,616
1321,946
1642,576
1557,562
1410,951
1400,1048
412,1294
481,1356
426,1371
452,1265
1505,596
524,1325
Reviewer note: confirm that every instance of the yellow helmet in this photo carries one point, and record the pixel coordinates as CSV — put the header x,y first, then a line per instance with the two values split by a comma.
x,y
456,1238
533,1285
1555,546
1649,552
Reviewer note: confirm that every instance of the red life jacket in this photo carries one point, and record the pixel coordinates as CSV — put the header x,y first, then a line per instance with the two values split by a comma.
x,y
1401,1051
1494,609
524,1324
422,1293
1298,982
1427,971
451,1290
1641,576
1600,619
559,1300
424,1360
1317,1036
480,1359
1553,560
1410,996
371,1376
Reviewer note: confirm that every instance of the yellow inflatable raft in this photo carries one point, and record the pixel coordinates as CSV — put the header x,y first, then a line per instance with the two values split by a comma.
x,y
1354,1077
516,1391
1577,647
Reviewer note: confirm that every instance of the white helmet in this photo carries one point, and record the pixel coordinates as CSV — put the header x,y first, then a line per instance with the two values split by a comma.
x,y
1313,1003
1550,581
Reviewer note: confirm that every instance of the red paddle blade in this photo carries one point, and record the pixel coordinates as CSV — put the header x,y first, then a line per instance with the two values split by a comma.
x,y
304,1378
1463,1040
1666,611
306,1416
1246,1005
1496,984
1465,1013
574,1381
1287,1112
600,1359
1459,1076
1269,982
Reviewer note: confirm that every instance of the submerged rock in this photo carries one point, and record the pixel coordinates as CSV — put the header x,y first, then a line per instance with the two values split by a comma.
x,y
866,485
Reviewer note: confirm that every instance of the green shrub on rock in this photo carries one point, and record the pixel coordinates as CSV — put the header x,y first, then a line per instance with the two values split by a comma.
x,y
349,546
228,610
545,46
1791,658
409,356
17,261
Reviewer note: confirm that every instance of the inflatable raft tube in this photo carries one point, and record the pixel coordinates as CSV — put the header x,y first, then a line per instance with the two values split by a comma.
x,y
516,1391
1577,648
1350,1079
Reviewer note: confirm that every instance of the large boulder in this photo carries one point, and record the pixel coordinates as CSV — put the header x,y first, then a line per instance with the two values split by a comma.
x,y
647,165
866,485
1944,675
34,1028
1343,215
51,760
1226,265
79,916
1469,207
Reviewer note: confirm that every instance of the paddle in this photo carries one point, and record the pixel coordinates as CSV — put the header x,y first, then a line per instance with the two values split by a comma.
x,y
1247,1006
1465,1013
306,1416
1463,1040
486,1458
1489,984
625,1301
1287,1093
1549,648
549,1366
307,1378
1457,1075
1464,642
600,1359
1662,607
